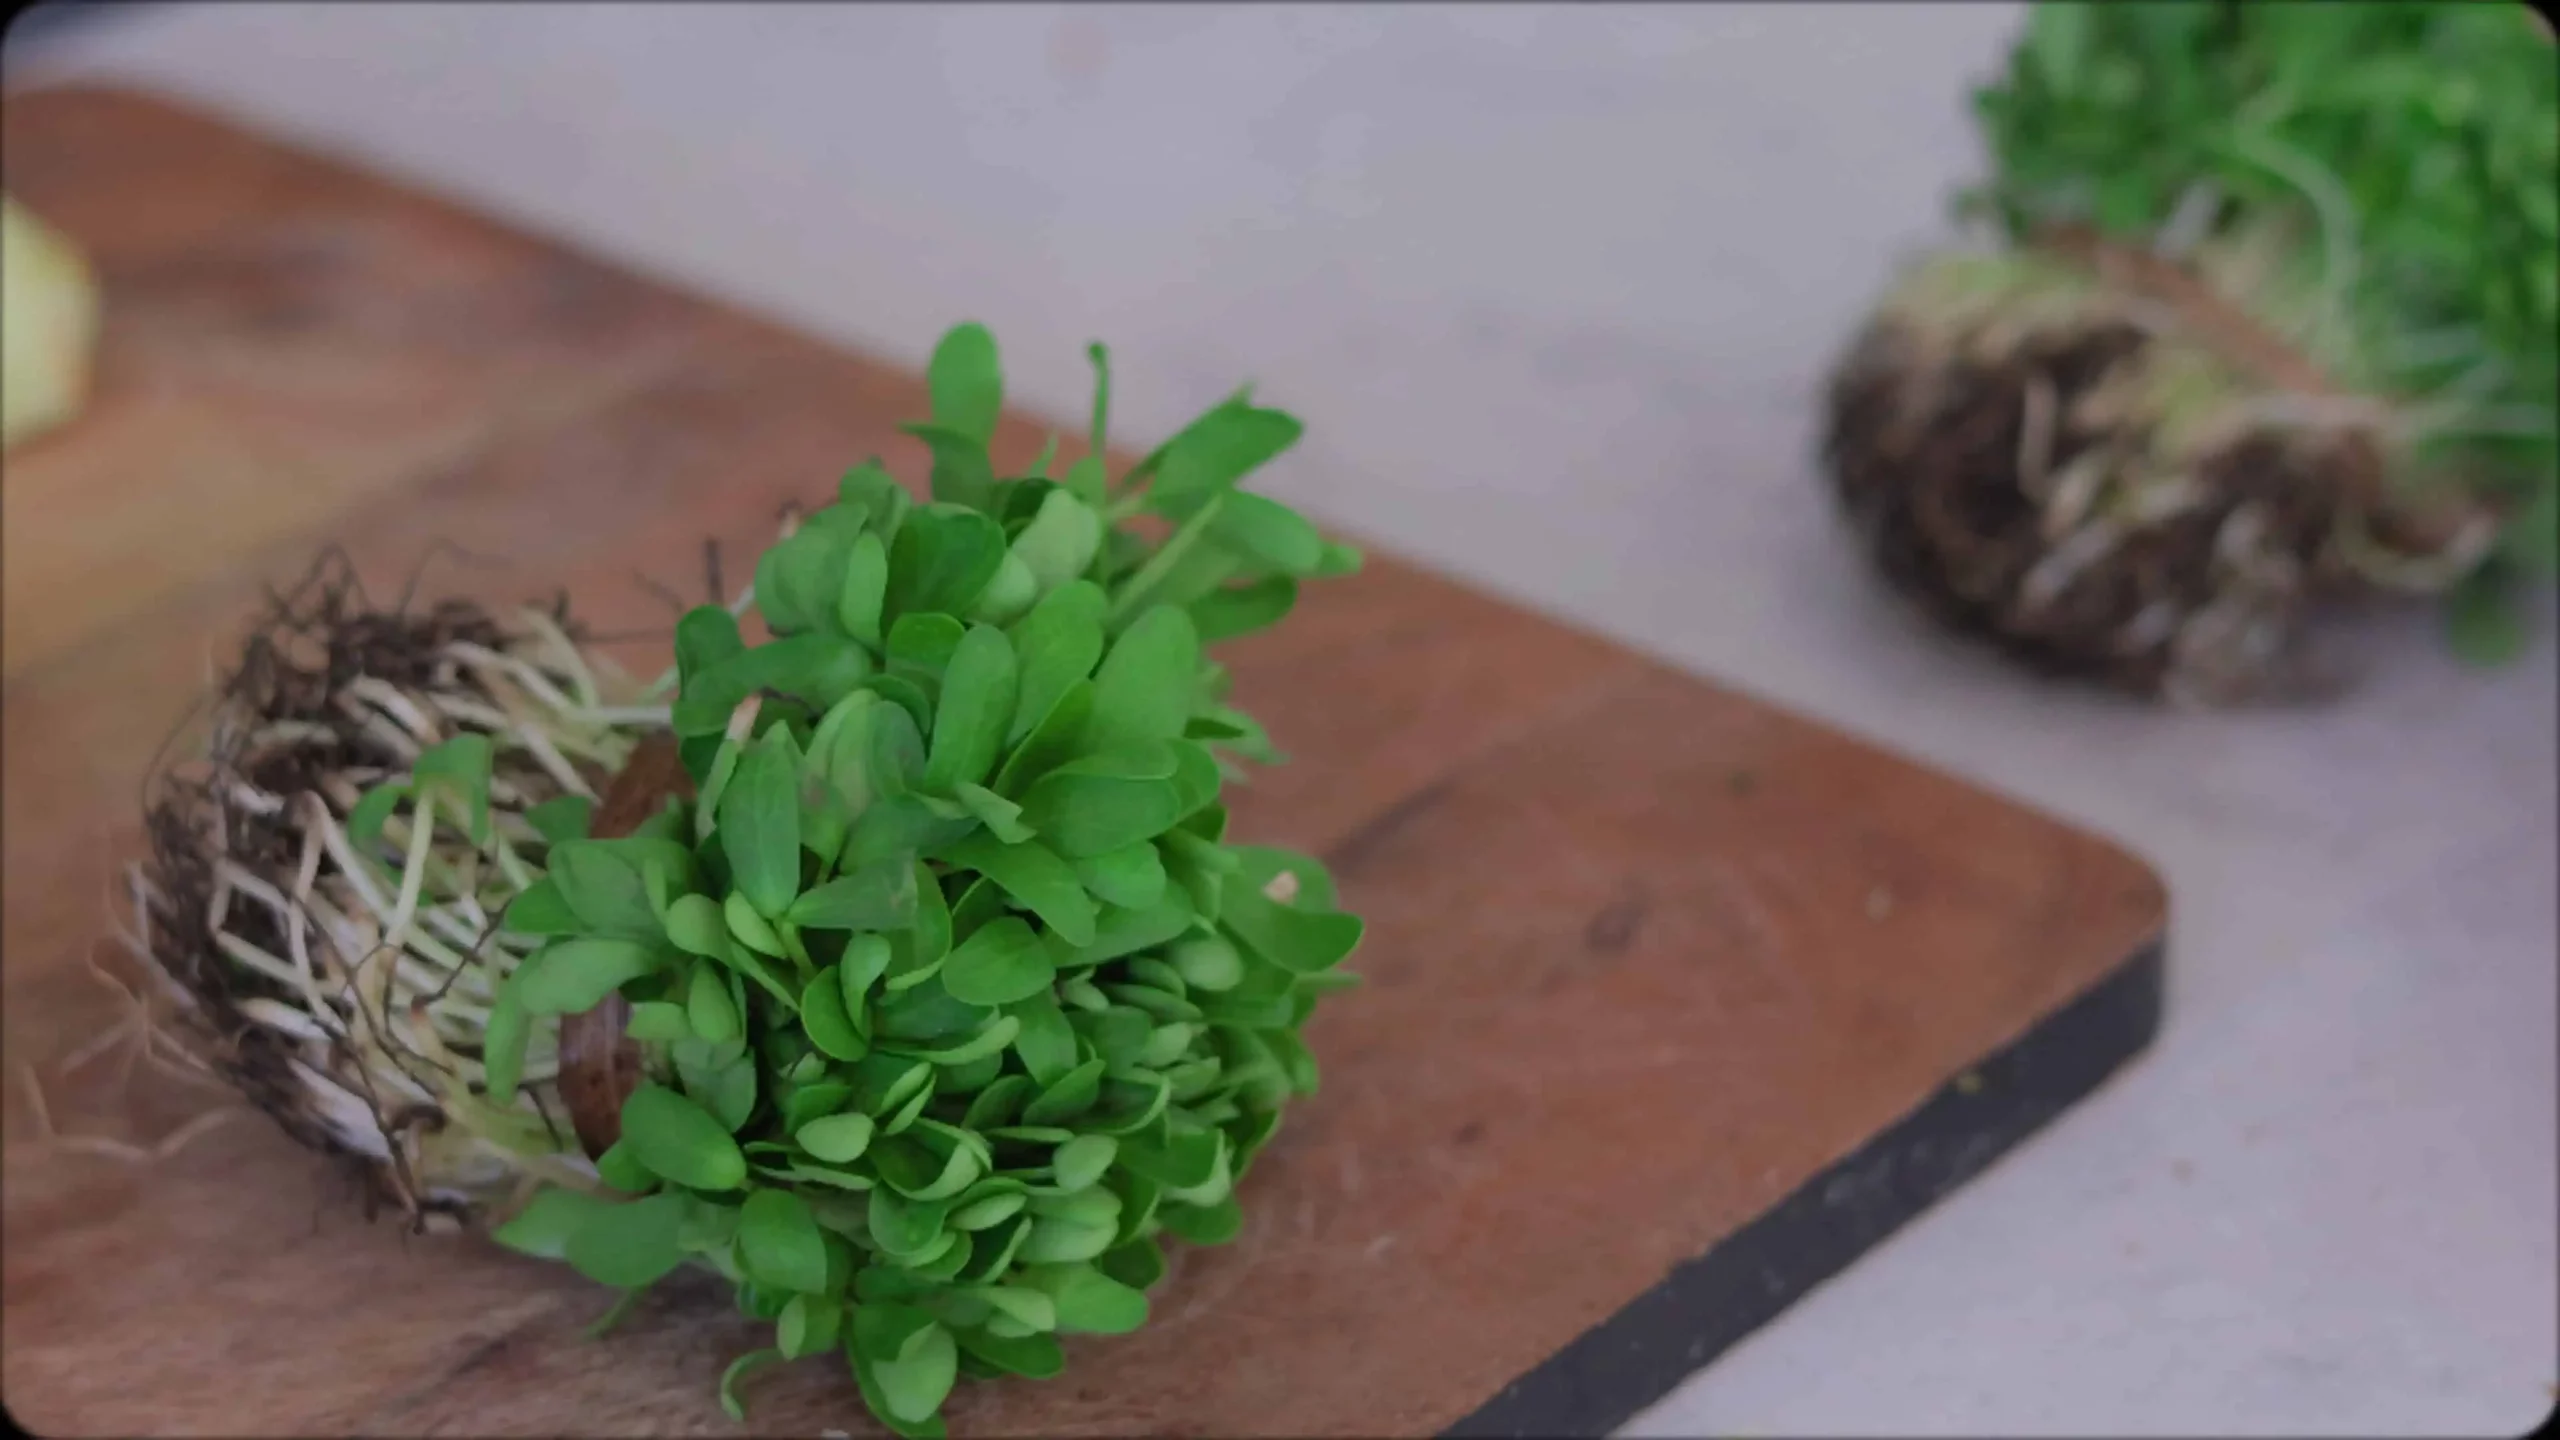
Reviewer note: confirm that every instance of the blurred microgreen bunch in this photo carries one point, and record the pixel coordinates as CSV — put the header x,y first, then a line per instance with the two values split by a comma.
x,y
951,995
2417,143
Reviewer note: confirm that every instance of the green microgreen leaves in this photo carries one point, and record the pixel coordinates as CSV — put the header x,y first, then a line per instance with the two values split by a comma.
x,y
631,1244
1107,802
1080,1162
952,995
571,975
808,1325
830,1021
678,1140
459,770
760,825
967,383
1061,540
942,560
879,896
863,597
542,1229
779,1244
1148,682
978,688
1003,962
1214,452
600,882
909,1358
705,637
836,1139
1057,644
1087,1301
738,1370
563,817
1035,879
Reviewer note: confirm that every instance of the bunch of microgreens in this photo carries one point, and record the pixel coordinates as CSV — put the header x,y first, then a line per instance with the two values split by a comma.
x,y
2419,146
950,994
371,790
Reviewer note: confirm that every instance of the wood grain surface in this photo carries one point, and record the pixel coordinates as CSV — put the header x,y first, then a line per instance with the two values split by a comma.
x,y
1644,954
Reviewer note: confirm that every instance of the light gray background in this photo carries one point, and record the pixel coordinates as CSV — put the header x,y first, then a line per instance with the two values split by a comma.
x,y
1554,288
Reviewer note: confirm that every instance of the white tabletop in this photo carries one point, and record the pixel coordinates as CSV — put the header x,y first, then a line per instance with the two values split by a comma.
x,y
1554,289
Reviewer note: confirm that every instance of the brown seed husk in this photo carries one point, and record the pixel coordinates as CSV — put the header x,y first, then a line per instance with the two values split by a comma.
x,y
600,1064
2110,474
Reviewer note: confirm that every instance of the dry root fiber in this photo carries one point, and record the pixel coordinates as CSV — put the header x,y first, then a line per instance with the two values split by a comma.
x,y
2094,461
342,981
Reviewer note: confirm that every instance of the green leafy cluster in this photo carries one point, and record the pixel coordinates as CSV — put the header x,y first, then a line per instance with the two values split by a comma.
x,y
955,997
2419,141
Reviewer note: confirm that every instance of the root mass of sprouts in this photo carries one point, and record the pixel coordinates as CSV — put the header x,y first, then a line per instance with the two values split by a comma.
x,y
343,981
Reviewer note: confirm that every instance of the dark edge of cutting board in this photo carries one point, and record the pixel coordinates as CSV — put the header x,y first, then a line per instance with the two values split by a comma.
x,y
1707,1305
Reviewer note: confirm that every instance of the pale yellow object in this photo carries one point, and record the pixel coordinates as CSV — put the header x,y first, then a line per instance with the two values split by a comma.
x,y
49,319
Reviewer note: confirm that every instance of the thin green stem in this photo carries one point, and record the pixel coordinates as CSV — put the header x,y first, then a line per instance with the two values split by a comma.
x,y
797,949
1133,595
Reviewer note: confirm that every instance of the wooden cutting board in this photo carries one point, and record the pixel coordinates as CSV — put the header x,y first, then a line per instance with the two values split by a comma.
x,y
1675,1003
